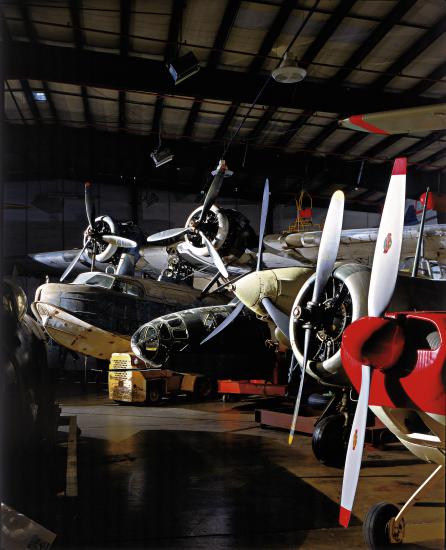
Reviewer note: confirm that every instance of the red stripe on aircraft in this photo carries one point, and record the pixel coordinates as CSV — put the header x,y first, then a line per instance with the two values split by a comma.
x,y
359,121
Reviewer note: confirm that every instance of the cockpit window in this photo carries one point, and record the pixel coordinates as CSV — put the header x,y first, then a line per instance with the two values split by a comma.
x,y
127,288
95,279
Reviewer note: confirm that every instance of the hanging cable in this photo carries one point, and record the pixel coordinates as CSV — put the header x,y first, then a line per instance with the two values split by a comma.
x,y
299,30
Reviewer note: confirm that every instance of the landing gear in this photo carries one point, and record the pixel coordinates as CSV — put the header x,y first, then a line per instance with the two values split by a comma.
x,y
384,524
330,439
380,528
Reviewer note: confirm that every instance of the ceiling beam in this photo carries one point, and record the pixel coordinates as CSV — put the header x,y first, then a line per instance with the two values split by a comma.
x,y
432,159
360,54
326,32
221,38
423,143
223,32
312,51
260,163
30,100
437,74
75,7
124,45
380,31
176,19
377,149
262,123
410,54
350,142
256,64
99,69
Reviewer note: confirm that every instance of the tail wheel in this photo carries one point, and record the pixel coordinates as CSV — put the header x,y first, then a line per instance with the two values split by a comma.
x,y
380,530
330,439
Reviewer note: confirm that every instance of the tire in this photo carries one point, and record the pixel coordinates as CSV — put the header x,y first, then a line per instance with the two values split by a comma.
x,y
330,440
154,394
376,527
202,388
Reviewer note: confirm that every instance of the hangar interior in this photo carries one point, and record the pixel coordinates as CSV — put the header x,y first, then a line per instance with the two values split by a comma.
x,y
171,167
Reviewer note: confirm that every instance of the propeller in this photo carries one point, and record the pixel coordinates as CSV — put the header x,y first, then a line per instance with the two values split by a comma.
x,y
93,234
382,285
328,251
273,311
171,236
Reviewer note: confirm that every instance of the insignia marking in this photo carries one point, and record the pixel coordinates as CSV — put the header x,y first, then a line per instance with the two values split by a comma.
x,y
387,243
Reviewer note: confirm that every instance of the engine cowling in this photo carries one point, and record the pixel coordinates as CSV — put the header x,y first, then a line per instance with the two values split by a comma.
x,y
345,301
107,252
228,230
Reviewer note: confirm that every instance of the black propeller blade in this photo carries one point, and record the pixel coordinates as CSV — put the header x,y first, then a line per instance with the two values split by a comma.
x,y
89,205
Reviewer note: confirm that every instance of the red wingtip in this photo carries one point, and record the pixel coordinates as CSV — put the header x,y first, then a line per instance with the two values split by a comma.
x,y
359,121
400,167
344,516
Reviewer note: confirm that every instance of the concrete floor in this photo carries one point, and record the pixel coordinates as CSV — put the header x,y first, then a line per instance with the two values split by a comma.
x,y
186,475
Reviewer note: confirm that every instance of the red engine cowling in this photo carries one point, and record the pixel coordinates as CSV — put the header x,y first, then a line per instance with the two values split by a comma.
x,y
410,365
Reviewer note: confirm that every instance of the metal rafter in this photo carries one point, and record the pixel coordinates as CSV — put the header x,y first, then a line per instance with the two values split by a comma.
x,y
423,143
223,32
350,142
358,56
221,38
411,54
437,74
262,123
170,52
377,149
125,15
256,64
326,32
432,159
312,51
78,37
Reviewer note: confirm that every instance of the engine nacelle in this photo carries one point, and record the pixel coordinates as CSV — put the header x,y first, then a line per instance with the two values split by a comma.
x,y
345,301
107,252
174,341
227,229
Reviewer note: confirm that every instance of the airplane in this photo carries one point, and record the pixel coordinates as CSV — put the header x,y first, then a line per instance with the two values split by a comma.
x,y
399,121
396,361
96,314
270,295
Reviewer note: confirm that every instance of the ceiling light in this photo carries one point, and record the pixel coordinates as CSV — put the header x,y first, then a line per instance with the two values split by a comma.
x,y
288,72
183,67
39,96
161,157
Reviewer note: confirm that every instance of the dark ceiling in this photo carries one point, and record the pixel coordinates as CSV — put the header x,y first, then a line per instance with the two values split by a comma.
x,y
109,96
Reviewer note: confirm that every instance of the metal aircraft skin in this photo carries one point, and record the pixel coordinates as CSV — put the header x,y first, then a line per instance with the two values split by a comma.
x,y
96,314
174,341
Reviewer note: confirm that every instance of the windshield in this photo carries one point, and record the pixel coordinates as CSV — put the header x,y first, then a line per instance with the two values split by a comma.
x,y
94,279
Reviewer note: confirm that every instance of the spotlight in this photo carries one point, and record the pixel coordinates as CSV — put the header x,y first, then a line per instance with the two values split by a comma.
x,y
161,157
183,67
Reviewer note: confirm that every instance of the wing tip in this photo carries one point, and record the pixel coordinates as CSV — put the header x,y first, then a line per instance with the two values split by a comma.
x,y
344,516
399,167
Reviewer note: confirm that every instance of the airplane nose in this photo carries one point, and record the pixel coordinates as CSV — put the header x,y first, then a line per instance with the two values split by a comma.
x,y
252,288
146,344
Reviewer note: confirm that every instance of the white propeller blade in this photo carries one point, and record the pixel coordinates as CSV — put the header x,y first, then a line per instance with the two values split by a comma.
x,y
263,216
355,448
119,241
73,262
238,308
328,249
280,319
388,243
215,256
382,284
326,258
